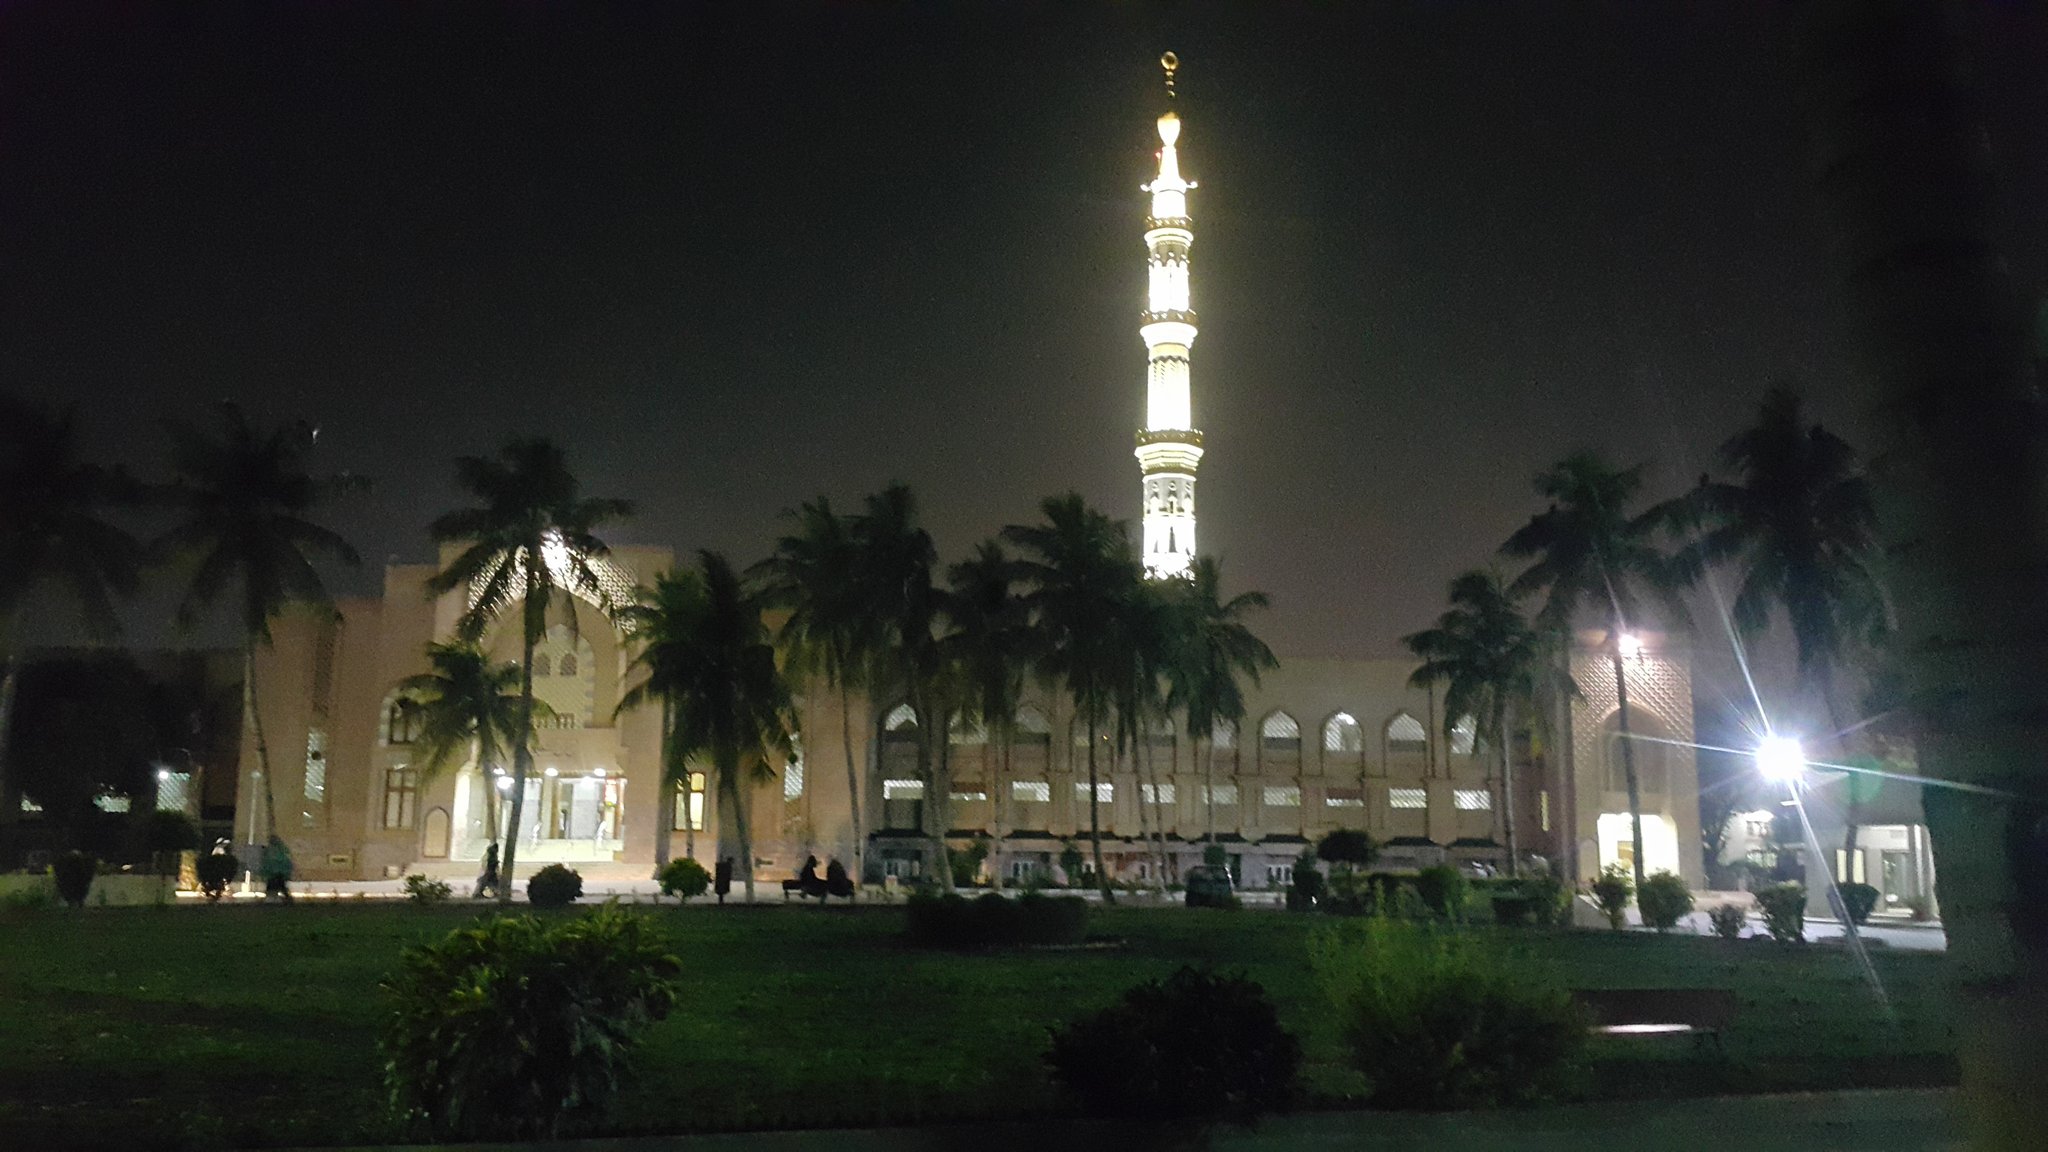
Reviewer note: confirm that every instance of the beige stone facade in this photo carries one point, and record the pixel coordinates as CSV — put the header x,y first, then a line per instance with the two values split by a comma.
x,y
1325,744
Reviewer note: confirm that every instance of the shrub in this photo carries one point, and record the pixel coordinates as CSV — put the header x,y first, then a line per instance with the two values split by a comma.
x,y
1348,846
1071,863
216,871
1663,901
1550,900
1443,888
516,1025
1728,921
421,889
1435,1019
1784,909
1612,891
1860,900
554,886
1196,1046
966,862
1305,891
34,898
1512,907
1210,888
166,832
685,879
994,921
72,873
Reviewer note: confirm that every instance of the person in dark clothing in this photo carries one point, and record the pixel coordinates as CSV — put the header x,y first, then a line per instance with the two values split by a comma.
x,y
488,880
277,871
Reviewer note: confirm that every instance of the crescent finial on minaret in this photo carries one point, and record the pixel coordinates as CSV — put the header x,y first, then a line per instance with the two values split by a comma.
x,y
1171,64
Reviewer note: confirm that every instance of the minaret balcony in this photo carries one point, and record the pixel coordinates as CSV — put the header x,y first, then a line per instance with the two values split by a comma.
x,y
1172,224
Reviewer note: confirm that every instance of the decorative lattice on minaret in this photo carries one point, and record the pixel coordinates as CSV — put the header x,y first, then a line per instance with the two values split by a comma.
x,y
1169,446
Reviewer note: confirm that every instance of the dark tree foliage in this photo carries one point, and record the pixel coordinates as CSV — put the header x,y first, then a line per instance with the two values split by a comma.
x,y
85,727
1194,1046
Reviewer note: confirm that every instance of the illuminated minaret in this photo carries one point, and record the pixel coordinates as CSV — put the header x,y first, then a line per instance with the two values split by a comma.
x,y
1169,447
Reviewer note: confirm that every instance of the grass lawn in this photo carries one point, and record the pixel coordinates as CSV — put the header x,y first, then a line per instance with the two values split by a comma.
x,y
252,1025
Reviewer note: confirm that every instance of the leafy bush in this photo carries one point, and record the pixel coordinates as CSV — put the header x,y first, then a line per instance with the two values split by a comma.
x,y
1728,921
1443,888
1612,891
421,889
1664,900
1305,891
516,1025
166,832
685,879
216,871
554,886
35,898
995,921
1194,1046
1348,846
1071,863
1550,900
966,862
1860,900
1436,1019
72,873
1210,888
1784,909
1512,907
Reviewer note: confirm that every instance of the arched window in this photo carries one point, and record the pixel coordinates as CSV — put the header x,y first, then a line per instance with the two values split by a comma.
x,y
401,719
566,666
902,720
1224,735
964,734
1405,735
541,666
1464,736
1279,733
1342,734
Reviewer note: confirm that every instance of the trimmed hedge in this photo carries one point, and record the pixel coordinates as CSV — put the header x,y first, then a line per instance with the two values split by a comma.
x,y
554,887
995,921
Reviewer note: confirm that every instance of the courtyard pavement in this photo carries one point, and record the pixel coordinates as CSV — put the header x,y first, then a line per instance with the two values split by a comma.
x,y
1893,1120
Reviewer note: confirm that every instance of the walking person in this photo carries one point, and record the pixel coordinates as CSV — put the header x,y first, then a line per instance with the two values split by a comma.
x,y
487,881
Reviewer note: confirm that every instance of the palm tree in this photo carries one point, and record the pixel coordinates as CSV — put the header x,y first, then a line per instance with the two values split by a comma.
x,y
707,653
1490,661
990,639
1078,563
530,541
244,497
53,533
1899,146
465,702
815,576
1214,654
1800,528
1588,555
1141,637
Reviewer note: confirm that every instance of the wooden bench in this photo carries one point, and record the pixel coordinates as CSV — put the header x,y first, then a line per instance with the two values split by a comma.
x,y
1698,1012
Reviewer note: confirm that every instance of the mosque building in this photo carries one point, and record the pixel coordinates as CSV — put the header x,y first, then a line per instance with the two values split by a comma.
x,y
1325,744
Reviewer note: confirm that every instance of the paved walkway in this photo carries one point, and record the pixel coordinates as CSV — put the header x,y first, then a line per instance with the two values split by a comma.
x,y
1900,1120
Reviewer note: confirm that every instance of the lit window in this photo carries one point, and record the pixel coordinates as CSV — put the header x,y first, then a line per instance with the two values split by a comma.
x,y
902,789
1105,792
111,802
1344,798
1220,794
1032,726
1472,800
1279,875
1341,734
1405,734
1279,733
401,791
1543,808
1407,798
1224,735
173,790
793,777
1281,796
688,810
1464,736
1030,791
968,797
315,789
965,734
1161,794
900,719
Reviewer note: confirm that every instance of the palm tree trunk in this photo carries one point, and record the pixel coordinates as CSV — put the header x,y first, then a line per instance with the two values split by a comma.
x,y
1095,816
691,808
1208,746
938,795
10,680
522,752
255,714
1852,805
852,774
1628,756
1158,815
485,753
664,819
1144,820
734,829
1507,788
996,799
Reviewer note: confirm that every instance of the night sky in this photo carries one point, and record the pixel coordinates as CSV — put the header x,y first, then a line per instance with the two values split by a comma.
x,y
733,257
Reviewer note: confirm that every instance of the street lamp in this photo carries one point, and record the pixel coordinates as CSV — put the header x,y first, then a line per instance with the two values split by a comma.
x,y
1781,759
1631,645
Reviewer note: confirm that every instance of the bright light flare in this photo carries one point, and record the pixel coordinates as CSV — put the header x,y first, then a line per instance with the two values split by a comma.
x,y
1631,645
1781,759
